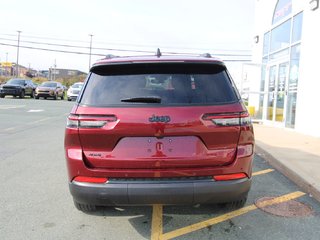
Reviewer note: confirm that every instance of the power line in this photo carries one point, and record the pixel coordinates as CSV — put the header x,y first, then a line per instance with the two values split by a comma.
x,y
123,50
51,50
118,43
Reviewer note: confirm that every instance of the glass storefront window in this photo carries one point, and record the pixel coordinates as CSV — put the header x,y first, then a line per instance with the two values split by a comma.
x,y
263,73
280,36
280,66
294,68
282,10
291,109
271,91
266,40
297,27
280,54
293,86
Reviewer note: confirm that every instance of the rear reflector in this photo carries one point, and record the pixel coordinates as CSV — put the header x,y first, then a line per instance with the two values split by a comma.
x,y
228,177
244,150
74,153
90,179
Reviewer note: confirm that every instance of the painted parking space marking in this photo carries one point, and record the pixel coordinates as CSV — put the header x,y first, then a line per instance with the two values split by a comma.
x,y
8,129
157,215
227,216
156,227
5,107
262,172
35,110
40,120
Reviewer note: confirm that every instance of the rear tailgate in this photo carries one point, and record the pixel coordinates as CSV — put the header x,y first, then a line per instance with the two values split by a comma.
x,y
154,138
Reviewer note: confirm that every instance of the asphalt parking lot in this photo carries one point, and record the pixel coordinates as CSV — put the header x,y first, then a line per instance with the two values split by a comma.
x,y
35,202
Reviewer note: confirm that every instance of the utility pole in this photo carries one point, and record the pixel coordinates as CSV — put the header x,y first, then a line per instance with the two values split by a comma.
x,y
91,35
6,64
18,46
54,70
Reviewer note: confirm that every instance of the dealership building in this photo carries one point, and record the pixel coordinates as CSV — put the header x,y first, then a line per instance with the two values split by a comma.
x,y
282,83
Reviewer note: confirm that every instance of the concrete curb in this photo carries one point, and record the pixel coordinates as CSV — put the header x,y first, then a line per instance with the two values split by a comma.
x,y
292,175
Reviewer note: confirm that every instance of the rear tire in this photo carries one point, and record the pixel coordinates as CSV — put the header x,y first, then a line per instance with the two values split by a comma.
x,y
85,207
2,96
32,94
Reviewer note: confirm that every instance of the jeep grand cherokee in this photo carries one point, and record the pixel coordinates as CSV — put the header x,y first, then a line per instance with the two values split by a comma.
x,y
158,130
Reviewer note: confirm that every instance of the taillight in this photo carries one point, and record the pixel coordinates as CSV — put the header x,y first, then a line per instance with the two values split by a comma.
x,y
90,179
228,177
89,121
229,119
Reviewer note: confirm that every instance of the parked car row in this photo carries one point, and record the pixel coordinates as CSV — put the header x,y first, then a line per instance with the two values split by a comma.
x,y
24,87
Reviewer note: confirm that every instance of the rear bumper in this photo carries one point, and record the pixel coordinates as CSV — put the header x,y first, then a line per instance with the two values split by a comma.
x,y
72,97
144,193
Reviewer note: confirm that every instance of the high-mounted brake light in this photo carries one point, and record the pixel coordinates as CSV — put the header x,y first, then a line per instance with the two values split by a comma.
x,y
230,119
90,179
228,177
89,121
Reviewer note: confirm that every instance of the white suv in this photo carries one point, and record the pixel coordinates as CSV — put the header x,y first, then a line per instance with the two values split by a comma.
x,y
74,91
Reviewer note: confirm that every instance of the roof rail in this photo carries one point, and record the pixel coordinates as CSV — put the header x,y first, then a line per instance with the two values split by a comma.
x,y
206,55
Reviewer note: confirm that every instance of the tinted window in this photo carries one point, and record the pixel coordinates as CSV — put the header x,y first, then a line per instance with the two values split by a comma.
x,y
77,85
49,84
172,89
16,81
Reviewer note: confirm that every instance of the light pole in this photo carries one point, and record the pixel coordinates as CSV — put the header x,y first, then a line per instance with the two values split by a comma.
x,y
54,70
17,67
91,35
6,64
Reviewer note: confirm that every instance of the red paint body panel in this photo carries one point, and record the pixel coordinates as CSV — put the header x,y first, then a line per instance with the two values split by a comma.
x,y
113,151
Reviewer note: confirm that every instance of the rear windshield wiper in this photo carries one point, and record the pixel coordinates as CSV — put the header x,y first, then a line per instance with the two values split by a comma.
x,y
143,99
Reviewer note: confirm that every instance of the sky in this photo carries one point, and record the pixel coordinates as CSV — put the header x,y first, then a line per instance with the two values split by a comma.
x,y
179,26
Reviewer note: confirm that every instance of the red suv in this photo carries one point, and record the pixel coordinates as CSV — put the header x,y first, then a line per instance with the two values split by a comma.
x,y
159,130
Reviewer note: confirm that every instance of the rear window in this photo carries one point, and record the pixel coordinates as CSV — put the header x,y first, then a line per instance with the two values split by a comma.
x,y
184,87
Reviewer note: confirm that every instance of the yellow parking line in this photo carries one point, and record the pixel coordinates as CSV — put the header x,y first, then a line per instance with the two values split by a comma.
x,y
262,172
227,216
156,228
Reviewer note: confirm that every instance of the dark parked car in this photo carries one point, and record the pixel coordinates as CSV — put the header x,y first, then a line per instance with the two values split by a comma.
x,y
159,130
50,89
18,87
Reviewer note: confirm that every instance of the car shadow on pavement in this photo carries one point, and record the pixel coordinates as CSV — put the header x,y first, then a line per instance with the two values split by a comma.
x,y
140,217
